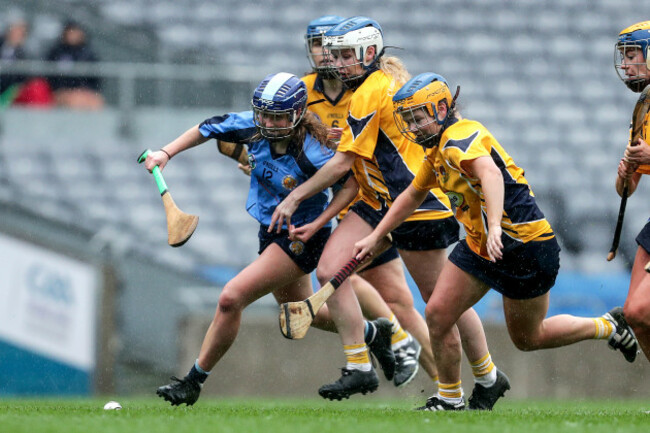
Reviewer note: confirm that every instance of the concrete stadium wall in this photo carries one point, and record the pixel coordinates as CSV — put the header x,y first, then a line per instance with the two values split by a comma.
x,y
263,363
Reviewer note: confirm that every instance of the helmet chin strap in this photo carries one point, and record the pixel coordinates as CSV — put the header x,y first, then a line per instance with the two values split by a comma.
x,y
636,86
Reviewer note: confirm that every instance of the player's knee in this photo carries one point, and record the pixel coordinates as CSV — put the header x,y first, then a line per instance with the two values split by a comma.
x,y
401,306
324,272
229,300
435,315
637,314
525,343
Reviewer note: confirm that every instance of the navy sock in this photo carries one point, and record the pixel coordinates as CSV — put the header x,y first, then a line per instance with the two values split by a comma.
x,y
370,332
196,375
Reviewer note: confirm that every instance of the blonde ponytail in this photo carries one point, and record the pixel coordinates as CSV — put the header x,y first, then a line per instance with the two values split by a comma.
x,y
394,67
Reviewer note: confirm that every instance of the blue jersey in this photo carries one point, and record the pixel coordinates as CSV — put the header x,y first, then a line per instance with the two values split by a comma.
x,y
273,176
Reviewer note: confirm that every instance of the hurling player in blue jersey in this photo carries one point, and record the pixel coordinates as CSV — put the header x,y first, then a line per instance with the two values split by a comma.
x,y
286,146
381,287
632,61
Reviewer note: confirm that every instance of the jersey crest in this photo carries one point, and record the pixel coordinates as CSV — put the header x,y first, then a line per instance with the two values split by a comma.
x,y
297,247
289,182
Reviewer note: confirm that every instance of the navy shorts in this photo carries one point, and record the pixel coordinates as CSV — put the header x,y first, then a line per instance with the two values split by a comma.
x,y
643,239
305,255
414,235
525,271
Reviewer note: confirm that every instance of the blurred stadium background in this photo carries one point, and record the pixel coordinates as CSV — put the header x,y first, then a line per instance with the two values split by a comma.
x,y
94,301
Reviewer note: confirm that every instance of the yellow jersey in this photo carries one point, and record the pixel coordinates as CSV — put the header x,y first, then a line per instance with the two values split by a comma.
x,y
330,112
467,140
386,161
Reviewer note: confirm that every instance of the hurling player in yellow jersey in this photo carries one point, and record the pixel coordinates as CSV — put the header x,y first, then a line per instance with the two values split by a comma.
x,y
633,67
384,163
509,247
329,100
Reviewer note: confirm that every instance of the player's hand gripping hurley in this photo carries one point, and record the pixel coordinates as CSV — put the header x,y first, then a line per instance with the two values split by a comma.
x,y
640,110
296,317
180,225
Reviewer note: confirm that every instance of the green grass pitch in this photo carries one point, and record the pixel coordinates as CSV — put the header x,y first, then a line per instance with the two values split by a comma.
x,y
318,416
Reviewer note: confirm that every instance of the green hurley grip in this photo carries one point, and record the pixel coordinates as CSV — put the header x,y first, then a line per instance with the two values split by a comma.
x,y
157,175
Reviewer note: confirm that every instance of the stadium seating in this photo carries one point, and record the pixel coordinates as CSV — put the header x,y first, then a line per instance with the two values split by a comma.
x,y
539,75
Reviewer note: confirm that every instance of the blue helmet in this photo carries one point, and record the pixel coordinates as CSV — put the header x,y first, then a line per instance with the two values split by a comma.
x,y
415,106
315,30
356,33
320,25
279,104
635,37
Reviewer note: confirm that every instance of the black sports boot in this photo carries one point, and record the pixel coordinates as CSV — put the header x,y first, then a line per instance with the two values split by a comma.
x,y
483,398
435,404
380,346
623,339
350,382
180,391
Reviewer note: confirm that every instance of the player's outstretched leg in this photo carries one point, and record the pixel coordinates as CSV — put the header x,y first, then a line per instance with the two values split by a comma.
x,y
352,381
623,338
484,398
186,390
378,338
406,361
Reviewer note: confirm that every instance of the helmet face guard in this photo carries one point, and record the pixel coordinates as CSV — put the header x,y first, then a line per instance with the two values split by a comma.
x,y
279,104
346,45
320,63
632,56
415,107
413,122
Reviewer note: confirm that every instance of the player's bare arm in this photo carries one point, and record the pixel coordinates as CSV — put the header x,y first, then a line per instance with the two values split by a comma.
x,y
403,207
325,177
493,190
340,200
190,138
626,173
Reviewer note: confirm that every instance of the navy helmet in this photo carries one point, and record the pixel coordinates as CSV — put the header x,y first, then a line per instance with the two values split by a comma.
x,y
635,37
315,31
320,25
279,104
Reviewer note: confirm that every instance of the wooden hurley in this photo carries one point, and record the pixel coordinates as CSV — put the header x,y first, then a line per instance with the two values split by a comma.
x,y
296,317
640,110
180,225
233,150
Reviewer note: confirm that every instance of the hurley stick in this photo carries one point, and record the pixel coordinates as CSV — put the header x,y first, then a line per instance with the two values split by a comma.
x,y
640,110
180,225
296,317
235,151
